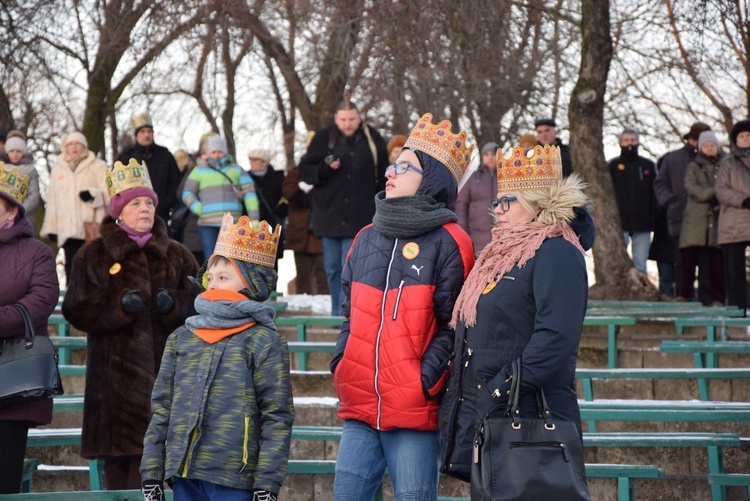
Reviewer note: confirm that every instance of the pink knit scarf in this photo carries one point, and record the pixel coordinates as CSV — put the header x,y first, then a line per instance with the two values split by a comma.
x,y
509,247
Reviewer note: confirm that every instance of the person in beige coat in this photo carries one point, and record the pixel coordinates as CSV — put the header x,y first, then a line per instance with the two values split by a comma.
x,y
733,192
77,193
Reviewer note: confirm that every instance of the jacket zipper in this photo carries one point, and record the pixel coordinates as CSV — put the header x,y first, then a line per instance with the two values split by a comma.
x,y
190,445
556,445
380,329
244,444
398,299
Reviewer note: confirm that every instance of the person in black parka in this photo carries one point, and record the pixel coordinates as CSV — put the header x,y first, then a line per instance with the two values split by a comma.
x,y
519,303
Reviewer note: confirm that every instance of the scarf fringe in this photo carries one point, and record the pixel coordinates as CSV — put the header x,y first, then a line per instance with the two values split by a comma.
x,y
509,247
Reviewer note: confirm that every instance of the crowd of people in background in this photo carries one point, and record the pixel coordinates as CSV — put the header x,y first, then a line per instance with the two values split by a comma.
x,y
669,210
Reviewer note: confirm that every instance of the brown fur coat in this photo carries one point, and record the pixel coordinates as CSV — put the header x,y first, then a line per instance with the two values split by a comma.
x,y
124,351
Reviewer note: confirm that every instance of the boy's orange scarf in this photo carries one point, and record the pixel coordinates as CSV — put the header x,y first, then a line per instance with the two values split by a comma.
x,y
214,335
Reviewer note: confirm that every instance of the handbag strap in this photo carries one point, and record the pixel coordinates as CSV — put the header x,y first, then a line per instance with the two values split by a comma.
x,y
513,408
29,327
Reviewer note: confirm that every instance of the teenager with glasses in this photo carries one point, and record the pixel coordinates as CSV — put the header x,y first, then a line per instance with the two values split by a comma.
x,y
400,281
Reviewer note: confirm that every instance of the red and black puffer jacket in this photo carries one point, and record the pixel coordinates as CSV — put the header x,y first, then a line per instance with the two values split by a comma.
x,y
394,350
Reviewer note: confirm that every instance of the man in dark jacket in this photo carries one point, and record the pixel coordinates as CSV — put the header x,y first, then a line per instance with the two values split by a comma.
x,y
633,180
669,187
346,165
165,175
546,133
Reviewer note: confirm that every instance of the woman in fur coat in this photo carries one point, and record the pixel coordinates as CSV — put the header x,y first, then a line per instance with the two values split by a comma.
x,y
524,299
77,193
129,289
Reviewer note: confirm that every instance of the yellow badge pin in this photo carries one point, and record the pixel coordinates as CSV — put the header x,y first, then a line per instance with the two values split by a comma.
x,y
115,269
411,250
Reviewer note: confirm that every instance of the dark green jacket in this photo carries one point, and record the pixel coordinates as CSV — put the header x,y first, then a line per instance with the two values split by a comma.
x,y
700,221
222,412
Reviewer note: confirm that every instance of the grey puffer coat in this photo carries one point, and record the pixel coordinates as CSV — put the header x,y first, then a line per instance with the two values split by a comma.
x,y
700,221
732,187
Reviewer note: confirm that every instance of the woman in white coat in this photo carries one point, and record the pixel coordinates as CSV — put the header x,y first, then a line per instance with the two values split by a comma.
x,y
77,194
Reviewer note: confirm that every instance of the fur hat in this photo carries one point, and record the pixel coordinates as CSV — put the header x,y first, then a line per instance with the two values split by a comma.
x,y
708,136
259,154
741,126
397,141
527,138
696,129
215,143
564,195
15,143
74,137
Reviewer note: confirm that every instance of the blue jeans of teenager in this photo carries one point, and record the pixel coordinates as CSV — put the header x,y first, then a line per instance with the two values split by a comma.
x,y
209,235
200,490
335,250
641,243
364,453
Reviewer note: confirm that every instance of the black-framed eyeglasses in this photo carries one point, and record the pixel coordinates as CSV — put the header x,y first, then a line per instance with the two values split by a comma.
x,y
402,167
503,203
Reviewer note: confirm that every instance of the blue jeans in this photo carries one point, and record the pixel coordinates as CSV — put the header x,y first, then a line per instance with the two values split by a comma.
x,y
335,250
364,452
186,489
641,244
666,278
209,235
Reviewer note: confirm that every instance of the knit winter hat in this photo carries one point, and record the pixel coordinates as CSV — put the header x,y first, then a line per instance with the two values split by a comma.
x,y
741,126
217,143
493,147
708,136
15,143
120,200
74,137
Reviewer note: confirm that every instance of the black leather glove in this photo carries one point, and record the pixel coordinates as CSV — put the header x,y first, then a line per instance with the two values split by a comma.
x,y
52,237
259,495
152,490
164,302
746,203
85,195
132,302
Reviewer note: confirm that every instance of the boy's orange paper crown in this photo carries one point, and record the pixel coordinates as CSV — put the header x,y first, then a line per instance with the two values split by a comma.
x,y
520,172
243,242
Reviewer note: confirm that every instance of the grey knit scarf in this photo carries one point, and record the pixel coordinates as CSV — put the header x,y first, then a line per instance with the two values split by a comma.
x,y
406,217
224,314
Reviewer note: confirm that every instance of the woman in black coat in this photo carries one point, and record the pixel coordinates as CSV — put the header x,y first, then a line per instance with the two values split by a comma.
x,y
524,299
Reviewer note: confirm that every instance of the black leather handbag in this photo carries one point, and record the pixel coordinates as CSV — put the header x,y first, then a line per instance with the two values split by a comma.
x,y
28,367
527,458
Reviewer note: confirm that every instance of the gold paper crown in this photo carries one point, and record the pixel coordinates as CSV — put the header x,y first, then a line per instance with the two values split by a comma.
x,y
439,142
13,185
519,172
142,120
124,177
244,242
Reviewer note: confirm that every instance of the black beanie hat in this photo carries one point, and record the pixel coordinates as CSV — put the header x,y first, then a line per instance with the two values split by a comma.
x,y
741,126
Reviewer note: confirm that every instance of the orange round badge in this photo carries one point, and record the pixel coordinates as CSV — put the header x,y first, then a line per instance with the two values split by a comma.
x,y
621,166
115,269
488,288
411,250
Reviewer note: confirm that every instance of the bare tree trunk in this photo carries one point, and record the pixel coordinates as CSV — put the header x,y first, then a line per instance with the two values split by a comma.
x,y
6,117
615,276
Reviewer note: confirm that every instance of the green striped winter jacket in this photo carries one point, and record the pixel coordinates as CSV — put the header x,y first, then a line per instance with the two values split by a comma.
x,y
222,412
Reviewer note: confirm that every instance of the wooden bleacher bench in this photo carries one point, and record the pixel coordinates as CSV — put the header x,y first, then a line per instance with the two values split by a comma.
x,y
702,349
587,376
